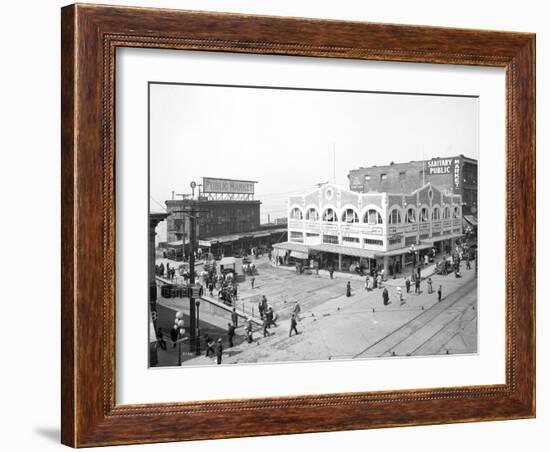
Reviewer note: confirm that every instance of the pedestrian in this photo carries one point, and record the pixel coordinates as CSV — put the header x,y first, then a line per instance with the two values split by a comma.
x,y
331,272
209,345
219,351
249,331
382,275
230,333
235,318
385,296
264,304
271,317
439,293
261,308
252,282
293,326
408,284
468,266
430,287
379,280
297,310
211,288
174,333
348,289
417,286
400,296
265,326
160,339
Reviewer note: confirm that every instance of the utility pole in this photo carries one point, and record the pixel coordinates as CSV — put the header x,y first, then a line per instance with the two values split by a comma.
x,y
192,214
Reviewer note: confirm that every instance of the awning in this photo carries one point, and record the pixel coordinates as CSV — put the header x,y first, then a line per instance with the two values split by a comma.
x,y
471,220
299,255
346,250
227,261
291,247
404,250
432,240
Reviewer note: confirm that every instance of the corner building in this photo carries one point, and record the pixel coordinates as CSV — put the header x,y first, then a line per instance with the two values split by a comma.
x,y
339,227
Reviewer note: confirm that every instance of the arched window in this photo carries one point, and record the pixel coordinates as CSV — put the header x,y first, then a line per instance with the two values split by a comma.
x,y
330,215
350,216
446,213
410,216
456,212
395,217
424,216
312,214
436,214
296,214
372,217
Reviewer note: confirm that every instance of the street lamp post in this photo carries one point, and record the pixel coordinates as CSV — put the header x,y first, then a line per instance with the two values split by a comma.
x,y
198,335
178,324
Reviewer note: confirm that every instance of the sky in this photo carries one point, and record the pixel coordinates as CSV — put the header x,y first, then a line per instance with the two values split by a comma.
x,y
291,140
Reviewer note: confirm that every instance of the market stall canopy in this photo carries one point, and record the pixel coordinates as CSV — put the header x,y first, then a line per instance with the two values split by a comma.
x,y
299,255
227,261
470,219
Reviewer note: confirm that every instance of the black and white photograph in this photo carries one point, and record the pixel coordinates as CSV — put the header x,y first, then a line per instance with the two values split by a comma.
x,y
290,224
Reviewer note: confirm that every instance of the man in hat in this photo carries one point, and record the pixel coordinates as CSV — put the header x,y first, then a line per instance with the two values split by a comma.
x,y
385,296
219,351
235,318
230,333
293,324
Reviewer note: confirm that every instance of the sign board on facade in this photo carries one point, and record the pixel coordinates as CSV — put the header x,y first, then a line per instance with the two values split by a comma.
x,y
450,166
215,185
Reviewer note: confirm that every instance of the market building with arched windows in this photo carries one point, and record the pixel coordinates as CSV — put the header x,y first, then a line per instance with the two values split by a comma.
x,y
343,229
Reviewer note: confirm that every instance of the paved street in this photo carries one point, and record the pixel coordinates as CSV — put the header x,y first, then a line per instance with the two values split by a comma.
x,y
334,326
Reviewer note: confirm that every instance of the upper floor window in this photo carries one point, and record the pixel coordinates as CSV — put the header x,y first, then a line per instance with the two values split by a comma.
x,y
456,212
424,217
296,214
395,216
312,214
446,213
372,217
410,216
436,214
330,215
383,177
350,216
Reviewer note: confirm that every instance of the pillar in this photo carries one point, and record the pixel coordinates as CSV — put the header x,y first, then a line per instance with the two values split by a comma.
x,y
386,270
339,262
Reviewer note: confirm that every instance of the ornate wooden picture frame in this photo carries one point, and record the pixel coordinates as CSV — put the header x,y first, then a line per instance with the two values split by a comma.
x,y
90,37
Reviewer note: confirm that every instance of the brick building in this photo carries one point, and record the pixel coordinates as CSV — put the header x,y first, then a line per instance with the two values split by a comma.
x,y
457,175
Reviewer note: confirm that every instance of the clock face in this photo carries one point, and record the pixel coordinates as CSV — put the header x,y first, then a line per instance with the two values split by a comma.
x,y
329,194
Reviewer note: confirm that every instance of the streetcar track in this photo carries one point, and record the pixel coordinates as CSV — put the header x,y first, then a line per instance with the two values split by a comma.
x,y
458,293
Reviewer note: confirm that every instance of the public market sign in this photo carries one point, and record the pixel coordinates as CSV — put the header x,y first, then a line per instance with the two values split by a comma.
x,y
215,185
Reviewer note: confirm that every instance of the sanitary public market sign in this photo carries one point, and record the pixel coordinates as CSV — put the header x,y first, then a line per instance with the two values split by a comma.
x,y
450,166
